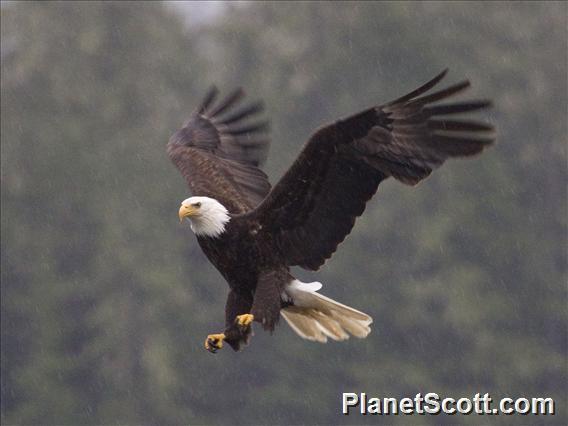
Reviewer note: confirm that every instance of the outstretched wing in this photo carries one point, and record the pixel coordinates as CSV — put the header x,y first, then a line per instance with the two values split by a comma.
x,y
219,149
314,206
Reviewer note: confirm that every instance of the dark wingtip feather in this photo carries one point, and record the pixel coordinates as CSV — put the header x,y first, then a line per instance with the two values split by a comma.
x,y
457,108
208,99
243,112
459,125
228,102
454,145
424,88
444,93
464,137
262,126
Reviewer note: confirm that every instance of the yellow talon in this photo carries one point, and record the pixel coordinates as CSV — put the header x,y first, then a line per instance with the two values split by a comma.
x,y
214,342
245,320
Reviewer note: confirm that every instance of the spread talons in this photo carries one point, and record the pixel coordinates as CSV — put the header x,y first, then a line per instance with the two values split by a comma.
x,y
214,342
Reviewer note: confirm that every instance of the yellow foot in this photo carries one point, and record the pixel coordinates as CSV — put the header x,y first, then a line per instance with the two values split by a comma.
x,y
214,342
244,320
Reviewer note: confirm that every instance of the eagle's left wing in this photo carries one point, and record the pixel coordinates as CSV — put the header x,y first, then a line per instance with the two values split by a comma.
x,y
314,206
219,149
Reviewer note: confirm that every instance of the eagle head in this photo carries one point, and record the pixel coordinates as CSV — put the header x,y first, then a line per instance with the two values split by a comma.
x,y
208,217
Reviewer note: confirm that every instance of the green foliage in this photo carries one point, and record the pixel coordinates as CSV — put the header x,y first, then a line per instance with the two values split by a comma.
x,y
106,299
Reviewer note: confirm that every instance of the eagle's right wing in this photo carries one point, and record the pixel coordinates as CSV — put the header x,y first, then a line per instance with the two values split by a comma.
x,y
314,205
219,149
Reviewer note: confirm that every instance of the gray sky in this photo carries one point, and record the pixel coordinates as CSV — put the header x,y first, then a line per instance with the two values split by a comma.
x,y
201,12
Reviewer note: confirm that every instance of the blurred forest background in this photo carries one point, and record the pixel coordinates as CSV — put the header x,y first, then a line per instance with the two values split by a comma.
x,y
106,298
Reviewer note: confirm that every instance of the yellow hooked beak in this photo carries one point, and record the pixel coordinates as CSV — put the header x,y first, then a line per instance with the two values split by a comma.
x,y
186,211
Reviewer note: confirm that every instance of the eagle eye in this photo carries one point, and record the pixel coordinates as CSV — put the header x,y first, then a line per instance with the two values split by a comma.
x,y
197,205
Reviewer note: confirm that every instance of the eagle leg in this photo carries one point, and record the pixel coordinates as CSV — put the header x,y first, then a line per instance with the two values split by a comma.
x,y
214,342
238,330
268,297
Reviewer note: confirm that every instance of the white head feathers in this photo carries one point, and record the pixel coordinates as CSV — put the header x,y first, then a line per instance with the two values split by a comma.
x,y
208,217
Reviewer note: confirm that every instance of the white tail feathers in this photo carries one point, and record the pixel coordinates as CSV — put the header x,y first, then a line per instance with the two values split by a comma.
x,y
317,317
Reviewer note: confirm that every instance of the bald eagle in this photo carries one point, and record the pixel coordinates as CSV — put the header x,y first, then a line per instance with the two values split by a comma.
x,y
253,233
